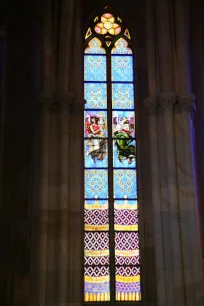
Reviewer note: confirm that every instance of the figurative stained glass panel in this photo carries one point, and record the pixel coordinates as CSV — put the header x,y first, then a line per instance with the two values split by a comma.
x,y
110,84
123,124
122,68
122,96
125,215
95,95
95,151
96,184
95,68
121,47
96,284
126,248
124,153
95,124
96,219
96,248
124,184
128,284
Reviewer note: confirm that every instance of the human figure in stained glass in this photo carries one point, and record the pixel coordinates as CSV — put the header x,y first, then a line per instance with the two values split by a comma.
x,y
122,133
96,143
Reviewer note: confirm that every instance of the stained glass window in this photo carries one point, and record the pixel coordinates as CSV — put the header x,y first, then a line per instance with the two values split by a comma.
x,y
111,238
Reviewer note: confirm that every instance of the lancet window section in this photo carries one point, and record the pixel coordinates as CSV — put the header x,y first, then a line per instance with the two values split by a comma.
x,y
111,239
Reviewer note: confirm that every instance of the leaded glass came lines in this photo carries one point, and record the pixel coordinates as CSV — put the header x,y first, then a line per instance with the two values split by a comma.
x,y
111,237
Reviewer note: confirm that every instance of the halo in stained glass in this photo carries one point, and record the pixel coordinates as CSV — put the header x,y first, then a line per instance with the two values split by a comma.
x,y
94,47
96,184
123,124
124,184
96,284
122,96
96,153
121,47
122,68
124,153
95,124
95,68
128,284
95,95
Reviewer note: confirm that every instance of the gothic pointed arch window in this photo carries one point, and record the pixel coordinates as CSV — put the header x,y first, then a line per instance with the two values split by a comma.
x,y
111,238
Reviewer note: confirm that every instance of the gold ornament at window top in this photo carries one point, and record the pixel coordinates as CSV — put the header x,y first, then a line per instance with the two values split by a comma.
x,y
107,25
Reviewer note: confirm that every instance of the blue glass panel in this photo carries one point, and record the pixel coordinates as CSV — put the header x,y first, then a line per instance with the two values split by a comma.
x,y
123,96
125,184
123,124
124,153
95,151
95,124
95,95
122,68
96,184
95,68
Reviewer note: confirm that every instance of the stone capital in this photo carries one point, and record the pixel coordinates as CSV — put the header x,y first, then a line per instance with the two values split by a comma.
x,y
167,101
185,103
152,105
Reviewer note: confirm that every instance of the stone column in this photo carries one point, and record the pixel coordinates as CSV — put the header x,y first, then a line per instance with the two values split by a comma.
x,y
152,106
189,219
76,205
40,217
167,101
64,103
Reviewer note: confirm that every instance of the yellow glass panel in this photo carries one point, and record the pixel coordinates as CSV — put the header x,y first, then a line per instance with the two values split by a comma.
x,y
111,31
104,31
115,25
112,19
100,25
103,19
